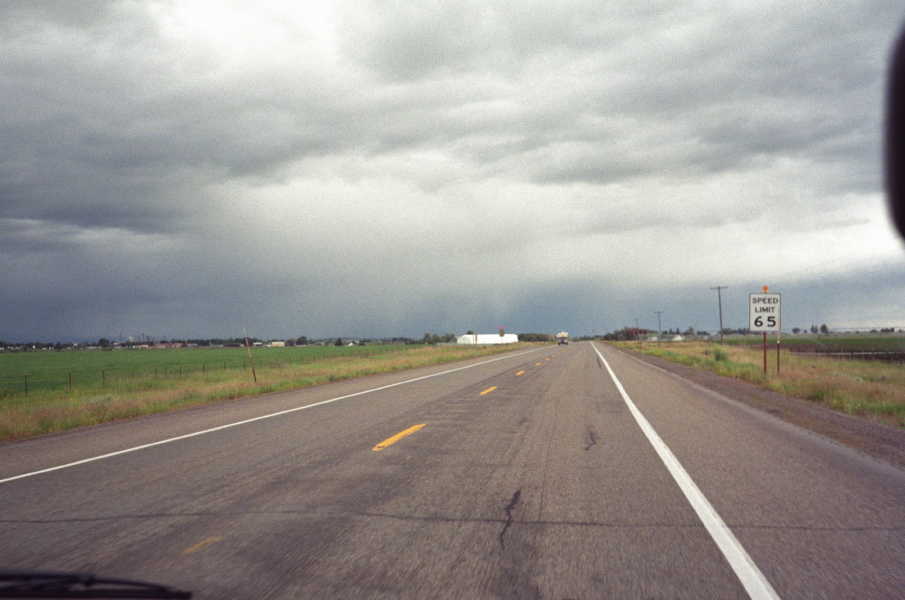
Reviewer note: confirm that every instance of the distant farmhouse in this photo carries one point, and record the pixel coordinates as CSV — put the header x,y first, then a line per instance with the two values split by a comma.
x,y
485,339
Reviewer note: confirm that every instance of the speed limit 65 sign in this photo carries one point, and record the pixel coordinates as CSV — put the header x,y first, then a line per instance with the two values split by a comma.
x,y
763,312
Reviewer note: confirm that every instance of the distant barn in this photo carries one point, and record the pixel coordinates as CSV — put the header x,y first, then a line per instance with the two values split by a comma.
x,y
485,339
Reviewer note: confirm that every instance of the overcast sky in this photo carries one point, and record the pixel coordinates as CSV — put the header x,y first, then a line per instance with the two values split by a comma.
x,y
184,168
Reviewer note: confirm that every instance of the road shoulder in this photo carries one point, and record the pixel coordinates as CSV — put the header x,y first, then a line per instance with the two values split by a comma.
x,y
878,440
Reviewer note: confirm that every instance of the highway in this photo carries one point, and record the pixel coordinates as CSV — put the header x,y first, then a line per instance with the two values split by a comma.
x,y
564,472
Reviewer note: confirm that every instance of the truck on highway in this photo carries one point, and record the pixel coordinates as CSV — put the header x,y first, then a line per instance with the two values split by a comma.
x,y
562,337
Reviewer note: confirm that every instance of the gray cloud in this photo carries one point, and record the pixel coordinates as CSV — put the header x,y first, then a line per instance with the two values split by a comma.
x,y
390,168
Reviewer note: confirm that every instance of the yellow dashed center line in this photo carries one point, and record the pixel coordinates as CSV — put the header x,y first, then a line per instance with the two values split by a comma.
x,y
397,437
202,545
519,373
488,390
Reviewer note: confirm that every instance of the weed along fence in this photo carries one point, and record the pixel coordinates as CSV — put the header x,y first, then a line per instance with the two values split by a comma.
x,y
26,373
896,356
889,356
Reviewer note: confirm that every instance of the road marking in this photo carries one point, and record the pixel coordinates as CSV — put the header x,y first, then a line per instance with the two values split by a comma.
x,y
397,437
749,574
202,545
536,364
254,419
519,373
488,390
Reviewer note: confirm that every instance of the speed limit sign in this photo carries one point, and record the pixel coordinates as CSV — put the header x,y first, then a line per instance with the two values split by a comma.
x,y
763,312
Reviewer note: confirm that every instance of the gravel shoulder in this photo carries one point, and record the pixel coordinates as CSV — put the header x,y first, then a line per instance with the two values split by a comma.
x,y
878,440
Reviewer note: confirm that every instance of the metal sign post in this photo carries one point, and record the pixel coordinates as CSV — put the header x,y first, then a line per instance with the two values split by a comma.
x,y
764,316
778,333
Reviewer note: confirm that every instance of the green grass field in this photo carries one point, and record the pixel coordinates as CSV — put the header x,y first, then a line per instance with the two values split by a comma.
x,y
866,342
121,384
50,370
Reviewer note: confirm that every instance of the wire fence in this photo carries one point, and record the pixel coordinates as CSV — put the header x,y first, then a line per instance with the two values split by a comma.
x,y
30,372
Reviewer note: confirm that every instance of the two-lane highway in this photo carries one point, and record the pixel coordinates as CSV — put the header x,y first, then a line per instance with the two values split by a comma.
x,y
564,472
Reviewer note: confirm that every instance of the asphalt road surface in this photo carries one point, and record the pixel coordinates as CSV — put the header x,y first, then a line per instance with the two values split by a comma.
x,y
564,472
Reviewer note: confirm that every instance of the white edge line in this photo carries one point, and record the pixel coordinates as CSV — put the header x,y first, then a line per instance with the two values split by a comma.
x,y
252,420
746,570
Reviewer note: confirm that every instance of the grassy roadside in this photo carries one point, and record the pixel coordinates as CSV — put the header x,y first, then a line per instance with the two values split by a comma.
x,y
47,411
872,390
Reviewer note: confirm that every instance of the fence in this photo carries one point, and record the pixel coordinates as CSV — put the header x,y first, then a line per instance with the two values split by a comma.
x,y
873,355
24,372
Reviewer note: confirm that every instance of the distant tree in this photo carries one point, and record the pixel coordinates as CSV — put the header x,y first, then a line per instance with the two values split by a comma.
x,y
534,337
824,328
301,340
338,342
103,343
469,332
814,329
627,334
796,330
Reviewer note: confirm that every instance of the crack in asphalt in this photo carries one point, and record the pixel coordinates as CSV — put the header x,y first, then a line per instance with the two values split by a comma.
x,y
511,507
593,440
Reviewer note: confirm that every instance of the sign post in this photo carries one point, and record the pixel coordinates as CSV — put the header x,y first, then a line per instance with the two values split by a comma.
x,y
764,316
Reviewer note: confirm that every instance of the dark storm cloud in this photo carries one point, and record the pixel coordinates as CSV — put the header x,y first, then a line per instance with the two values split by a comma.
x,y
105,126
372,168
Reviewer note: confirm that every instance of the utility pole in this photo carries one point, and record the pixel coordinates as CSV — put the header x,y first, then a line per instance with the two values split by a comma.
x,y
719,297
659,326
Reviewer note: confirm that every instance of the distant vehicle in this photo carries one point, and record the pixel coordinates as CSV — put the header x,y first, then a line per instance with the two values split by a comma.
x,y
562,337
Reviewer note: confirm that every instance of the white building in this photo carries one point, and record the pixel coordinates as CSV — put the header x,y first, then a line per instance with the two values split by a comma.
x,y
485,339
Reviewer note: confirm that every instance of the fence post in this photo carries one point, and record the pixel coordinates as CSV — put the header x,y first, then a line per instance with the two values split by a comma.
x,y
25,374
